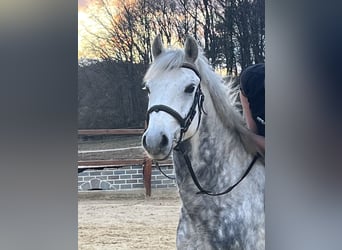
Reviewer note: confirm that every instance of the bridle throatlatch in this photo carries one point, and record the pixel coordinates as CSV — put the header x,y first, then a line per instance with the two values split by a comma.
x,y
185,124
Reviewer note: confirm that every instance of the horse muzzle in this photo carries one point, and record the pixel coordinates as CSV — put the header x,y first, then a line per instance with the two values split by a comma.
x,y
157,145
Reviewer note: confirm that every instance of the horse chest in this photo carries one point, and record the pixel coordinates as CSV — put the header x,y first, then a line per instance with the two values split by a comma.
x,y
206,225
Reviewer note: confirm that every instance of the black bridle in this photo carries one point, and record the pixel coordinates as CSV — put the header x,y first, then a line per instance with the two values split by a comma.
x,y
185,124
197,102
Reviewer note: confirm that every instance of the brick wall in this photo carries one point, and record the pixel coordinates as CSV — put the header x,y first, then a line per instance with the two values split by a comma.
x,y
125,178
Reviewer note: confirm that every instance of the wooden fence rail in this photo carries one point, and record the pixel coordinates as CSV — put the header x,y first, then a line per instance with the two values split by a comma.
x,y
112,163
111,131
145,161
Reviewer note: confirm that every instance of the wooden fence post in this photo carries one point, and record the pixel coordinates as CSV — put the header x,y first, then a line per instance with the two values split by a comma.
x,y
147,172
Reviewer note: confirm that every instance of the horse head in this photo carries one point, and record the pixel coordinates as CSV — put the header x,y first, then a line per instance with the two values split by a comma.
x,y
174,98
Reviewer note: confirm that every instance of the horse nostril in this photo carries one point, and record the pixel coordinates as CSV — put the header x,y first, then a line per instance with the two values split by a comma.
x,y
144,141
164,141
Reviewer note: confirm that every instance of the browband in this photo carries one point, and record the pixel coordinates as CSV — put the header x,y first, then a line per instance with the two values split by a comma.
x,y
192,67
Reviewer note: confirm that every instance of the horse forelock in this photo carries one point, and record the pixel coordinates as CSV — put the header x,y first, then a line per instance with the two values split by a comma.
x,y
168,60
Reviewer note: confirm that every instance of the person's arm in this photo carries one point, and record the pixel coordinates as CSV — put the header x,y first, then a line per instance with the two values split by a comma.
x,y
260,140
248,114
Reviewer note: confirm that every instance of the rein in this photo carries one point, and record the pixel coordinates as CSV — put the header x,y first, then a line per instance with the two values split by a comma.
x,y
198,185
161,171
185,124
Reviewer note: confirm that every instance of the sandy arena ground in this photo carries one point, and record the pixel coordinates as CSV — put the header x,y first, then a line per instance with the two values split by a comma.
x,y
108,220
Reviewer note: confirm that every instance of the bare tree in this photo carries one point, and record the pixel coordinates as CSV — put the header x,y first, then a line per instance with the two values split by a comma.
x,y
232,31
257,22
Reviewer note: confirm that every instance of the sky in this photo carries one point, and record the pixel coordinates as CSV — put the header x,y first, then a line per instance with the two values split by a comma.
x,y
84,22
83,3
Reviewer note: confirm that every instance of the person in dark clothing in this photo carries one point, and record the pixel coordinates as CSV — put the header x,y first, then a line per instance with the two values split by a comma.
x,y
252,96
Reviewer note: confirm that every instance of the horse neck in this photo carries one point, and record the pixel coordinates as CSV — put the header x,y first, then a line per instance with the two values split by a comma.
x,y
216,153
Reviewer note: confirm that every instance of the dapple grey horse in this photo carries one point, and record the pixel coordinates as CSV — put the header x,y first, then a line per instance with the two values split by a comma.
x,y
190,116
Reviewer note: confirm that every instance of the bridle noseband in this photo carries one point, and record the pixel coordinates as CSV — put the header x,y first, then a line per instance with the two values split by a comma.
x,y
185,124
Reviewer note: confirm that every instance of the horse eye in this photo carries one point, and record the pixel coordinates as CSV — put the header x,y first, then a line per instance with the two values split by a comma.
x,y
189,89
147,89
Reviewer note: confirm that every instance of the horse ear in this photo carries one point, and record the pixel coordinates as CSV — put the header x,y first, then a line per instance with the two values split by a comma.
x,y
191,49
157,47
